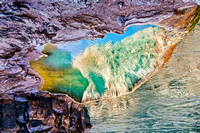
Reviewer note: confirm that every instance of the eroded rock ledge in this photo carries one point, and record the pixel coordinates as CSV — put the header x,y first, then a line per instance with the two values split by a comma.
x,y
26,23
40,112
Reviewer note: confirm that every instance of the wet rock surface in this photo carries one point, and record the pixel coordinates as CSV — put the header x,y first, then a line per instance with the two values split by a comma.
x,y
40,112
28,23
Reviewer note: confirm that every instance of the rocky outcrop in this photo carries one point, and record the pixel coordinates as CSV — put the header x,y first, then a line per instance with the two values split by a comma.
x,y
34,22
15,74
61,21
27,23
40,112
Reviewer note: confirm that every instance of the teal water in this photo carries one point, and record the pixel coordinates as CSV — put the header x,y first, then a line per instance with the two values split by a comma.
x,y
169,102
58,59
112,65
146,110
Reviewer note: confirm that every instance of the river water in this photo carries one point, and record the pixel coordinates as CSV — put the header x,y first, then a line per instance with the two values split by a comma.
x,y
86,69
168,102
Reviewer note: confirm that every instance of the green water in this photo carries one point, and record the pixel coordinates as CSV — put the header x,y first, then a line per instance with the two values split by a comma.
x,y
74,88
58,59
58,74
118,66
103,70
168,102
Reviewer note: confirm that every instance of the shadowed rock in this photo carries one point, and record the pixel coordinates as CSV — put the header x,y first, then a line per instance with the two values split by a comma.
x,y
40,112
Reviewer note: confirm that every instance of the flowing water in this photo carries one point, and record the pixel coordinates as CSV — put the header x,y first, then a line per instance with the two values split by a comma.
x,y
112,66
169,102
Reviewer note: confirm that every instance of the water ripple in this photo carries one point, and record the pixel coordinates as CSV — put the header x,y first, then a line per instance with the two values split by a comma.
x,y
169,102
